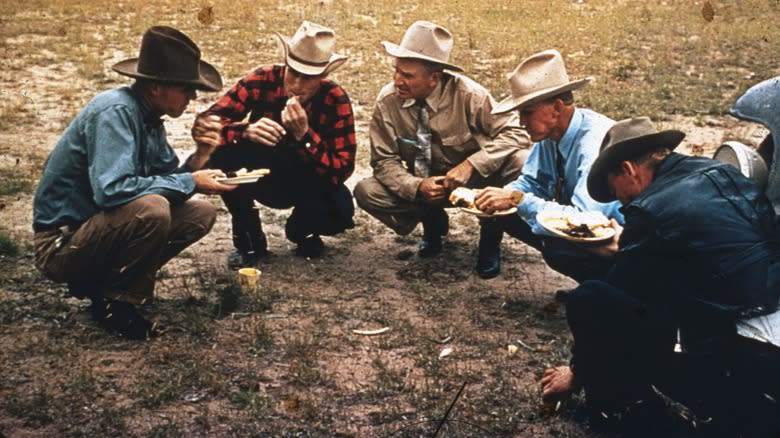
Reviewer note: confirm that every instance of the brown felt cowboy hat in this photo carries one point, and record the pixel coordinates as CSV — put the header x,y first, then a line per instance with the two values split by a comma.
x,y
626,140
536,78
425,41
310,50
168,55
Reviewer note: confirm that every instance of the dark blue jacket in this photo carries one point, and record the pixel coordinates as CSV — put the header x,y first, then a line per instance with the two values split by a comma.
x,y
700,240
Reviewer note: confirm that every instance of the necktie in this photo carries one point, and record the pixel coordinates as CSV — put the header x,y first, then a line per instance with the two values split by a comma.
x,y
422,159
559,180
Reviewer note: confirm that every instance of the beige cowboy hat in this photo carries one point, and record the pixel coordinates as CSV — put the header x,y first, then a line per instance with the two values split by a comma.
x,y
310,50
168,55
425,41
626,140
536,78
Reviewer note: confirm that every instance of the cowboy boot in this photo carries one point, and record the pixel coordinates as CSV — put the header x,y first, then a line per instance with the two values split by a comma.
x,y
436,224
489,254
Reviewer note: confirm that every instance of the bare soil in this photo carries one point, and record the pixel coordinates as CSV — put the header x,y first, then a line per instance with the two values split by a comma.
x,y
288,363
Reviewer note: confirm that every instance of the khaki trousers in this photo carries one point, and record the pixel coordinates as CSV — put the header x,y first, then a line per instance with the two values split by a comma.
x,y
402,215
116,253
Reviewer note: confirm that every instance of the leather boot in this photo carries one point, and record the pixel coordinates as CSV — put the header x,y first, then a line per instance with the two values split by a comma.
x,y
489,254
436,224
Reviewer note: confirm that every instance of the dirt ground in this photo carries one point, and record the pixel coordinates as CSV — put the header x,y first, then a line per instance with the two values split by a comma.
x,y
288,363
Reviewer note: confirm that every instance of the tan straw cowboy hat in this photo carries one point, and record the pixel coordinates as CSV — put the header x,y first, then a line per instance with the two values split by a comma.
x,y
310,50
626,140
425,41
168,55
536,78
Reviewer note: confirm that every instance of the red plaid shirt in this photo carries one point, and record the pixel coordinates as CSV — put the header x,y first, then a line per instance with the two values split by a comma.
x,y
330,143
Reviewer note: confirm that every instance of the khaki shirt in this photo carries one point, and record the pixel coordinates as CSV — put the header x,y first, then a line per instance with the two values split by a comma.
x,y
462,128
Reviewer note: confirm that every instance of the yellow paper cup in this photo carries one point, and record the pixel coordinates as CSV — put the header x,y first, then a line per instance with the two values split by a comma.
x,y
249,278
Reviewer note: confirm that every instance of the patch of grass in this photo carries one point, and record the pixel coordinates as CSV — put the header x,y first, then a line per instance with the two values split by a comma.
x,y
37,409
8,246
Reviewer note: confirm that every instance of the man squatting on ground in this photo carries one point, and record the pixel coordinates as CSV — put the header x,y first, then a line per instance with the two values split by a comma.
x,y
554,177
113,205
432,130
690,305
301,127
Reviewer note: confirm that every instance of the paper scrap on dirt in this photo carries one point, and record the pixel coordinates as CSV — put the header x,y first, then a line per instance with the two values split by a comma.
x,y
371,332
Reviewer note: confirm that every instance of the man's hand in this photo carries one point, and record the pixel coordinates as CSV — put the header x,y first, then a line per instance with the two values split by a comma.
x,y
492,199
206,131
458,176
294,118
432,189
609,248
264,131
206,182
557,383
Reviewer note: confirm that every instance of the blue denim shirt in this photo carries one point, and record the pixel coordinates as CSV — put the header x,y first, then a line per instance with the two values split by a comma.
x,y
579,147
112,152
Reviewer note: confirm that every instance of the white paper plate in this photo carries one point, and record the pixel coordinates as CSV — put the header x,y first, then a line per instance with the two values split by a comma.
x,y
547,221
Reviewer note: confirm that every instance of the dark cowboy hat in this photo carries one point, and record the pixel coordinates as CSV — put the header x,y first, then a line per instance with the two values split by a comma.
x,y
168,55
626,140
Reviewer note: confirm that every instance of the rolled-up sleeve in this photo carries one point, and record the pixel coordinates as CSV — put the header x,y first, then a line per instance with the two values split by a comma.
x,y
499,135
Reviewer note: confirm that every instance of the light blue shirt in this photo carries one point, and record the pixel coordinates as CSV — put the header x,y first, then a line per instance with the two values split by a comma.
x,y
579,147
112,152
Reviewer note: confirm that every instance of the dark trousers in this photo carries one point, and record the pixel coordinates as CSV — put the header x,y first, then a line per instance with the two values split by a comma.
x,y
319,206
564,256
622,347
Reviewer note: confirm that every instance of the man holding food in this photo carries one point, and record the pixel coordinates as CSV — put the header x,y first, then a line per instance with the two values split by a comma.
x,y
432,131
553,181
690,307
300,127
113,205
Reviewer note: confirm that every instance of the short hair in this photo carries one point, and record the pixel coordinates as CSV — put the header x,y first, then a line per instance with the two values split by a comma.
x,y
653,157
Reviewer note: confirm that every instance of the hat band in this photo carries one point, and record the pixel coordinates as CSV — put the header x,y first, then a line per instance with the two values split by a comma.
x,y
303,61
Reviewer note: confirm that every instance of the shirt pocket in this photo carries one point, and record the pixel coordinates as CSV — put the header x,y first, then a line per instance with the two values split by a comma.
x,y
455,148
407,149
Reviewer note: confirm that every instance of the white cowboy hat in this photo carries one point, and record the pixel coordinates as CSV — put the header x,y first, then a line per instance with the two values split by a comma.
x,y
425,41
536,78
310,50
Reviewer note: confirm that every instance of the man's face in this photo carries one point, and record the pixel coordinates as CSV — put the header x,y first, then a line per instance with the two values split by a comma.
x,y
304,87
412,80
627,183
540,120
172,99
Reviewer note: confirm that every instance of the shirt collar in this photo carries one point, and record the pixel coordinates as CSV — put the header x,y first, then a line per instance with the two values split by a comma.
x,y
433,100
150,118
567,141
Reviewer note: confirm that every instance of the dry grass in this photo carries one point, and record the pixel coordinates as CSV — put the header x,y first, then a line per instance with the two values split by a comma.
x,y
287,363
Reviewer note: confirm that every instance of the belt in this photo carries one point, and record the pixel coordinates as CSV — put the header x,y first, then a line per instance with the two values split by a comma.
x,y
42,228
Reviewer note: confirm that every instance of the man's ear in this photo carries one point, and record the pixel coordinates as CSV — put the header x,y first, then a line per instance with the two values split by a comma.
x,y
628,167
435,78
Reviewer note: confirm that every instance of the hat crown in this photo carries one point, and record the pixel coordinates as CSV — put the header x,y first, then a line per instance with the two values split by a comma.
x,y
168,54
628,129
428,39
539,72
312,44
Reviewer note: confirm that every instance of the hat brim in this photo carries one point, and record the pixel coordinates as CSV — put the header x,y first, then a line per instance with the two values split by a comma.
x,y
512,102
209,80
399,52
611,157
336,60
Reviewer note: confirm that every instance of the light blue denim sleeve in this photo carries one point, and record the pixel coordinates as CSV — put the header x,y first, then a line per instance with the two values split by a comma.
x,y
126,162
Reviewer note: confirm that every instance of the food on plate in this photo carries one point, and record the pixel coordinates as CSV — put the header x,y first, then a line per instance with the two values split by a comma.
x,y
463,197
586,225
242,172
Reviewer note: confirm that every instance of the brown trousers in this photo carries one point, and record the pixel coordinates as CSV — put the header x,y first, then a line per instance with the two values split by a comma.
x,y
116,253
